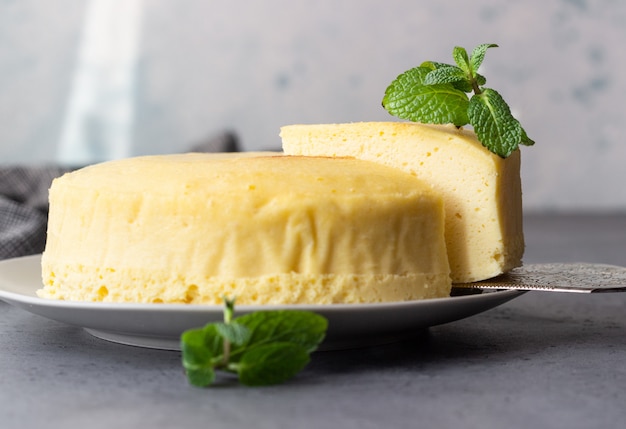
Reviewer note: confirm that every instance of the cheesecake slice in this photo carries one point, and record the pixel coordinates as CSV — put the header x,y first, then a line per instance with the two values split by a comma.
x,y
481,191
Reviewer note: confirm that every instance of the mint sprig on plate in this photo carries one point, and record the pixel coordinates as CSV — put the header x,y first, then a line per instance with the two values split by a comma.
x,y
262,348
437,93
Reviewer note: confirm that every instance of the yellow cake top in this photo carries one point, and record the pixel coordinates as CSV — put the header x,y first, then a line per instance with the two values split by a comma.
x,y
411,133
214,174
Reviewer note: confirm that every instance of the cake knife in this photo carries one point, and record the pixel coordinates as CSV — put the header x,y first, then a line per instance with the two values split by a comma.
x,y
556,277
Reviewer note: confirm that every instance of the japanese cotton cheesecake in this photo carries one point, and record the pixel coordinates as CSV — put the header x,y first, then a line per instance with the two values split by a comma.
x,y
481,191
195,228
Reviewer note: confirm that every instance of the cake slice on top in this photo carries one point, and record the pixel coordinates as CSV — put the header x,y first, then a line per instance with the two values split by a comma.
x,y
481,191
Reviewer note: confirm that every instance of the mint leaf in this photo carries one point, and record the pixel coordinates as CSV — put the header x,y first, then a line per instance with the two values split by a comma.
x,y
304,328
264,347
197,356
433,65
201,346
464,86
235,333
493,123
461,59
455,76
446,74
526,141
478,55
461,85
480,79
195,352
272,363
409,98
435,93
201,377
399,93
433,104
212,340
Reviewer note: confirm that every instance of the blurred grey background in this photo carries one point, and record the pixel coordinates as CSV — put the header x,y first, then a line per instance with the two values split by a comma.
x,y
85,81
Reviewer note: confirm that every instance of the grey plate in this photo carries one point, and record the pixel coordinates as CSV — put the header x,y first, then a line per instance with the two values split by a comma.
x,y
160,325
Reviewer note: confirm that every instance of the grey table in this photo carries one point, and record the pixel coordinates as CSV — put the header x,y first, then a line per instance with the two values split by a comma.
x,y
540,361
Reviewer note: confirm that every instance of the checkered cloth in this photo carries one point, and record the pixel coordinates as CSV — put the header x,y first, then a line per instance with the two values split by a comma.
x,y
23,207
24,200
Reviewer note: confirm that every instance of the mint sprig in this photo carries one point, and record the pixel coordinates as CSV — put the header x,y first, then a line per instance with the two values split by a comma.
x,y
262,348
437,93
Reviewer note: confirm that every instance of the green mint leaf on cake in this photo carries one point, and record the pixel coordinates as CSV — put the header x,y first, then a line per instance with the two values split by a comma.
x,y
493,123
462,59
445,74
526,141
408,97
439,93
478,55
261,348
